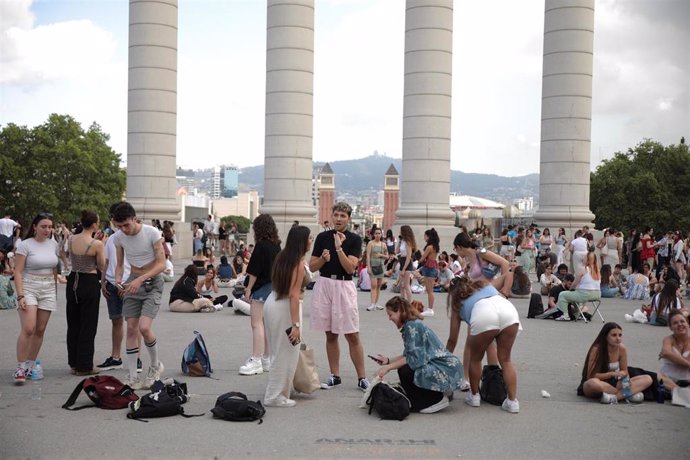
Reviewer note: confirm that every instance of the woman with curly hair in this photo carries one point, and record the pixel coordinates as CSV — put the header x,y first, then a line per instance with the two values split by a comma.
x,y
258,289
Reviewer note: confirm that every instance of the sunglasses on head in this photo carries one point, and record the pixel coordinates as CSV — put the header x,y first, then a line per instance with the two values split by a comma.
x,y
45,215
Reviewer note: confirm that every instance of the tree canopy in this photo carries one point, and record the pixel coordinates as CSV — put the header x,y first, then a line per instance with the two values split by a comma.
x,y
58,167
243,224
647,185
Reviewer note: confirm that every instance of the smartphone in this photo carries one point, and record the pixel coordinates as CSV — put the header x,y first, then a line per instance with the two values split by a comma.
x,y
120,286
288,331
376,359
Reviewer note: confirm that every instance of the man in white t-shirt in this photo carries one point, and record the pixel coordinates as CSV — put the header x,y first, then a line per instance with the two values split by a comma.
x,y
7,227
142,290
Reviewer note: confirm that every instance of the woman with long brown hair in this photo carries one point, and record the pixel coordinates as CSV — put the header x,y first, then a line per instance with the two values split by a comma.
x,y
407,247
376,255
283,313
587,286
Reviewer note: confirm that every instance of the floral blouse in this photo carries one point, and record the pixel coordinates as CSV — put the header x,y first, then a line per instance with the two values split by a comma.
x,y
434,367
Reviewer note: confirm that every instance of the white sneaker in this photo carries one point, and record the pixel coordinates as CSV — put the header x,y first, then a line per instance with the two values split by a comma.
x,y
511,405
607,398
636,398
218,307
265,364
427,312
280,401
252,367
154,374
371,307
442,404
380,307
465,386
473,399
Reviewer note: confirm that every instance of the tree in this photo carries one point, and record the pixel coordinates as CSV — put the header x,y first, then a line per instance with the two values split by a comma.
x,y
59,168
647,185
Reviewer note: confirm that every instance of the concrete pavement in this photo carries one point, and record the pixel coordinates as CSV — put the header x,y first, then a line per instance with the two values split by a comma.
x,y
328,424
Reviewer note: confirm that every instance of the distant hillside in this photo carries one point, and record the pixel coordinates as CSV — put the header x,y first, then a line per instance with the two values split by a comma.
x,y
366,174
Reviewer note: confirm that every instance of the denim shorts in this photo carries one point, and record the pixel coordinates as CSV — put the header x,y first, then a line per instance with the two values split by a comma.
x,y
261,294
428,272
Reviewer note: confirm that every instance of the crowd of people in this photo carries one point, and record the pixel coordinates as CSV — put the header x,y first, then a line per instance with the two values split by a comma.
x,y
128,261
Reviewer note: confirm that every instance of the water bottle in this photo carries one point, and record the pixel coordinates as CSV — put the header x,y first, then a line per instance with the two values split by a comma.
x,y
37,371
660,392
625,384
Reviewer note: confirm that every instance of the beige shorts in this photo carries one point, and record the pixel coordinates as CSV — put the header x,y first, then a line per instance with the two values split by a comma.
x,y
334,306
41,291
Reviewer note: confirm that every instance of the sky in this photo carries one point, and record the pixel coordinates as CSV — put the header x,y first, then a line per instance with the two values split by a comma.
x,y
70,57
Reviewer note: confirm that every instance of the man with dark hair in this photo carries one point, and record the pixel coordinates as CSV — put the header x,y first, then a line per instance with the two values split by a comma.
x,y
334,309
7,226
562,271
142,291
553,312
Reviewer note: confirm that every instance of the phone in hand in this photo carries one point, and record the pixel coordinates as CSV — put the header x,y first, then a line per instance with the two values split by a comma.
x,y
288,331
378,361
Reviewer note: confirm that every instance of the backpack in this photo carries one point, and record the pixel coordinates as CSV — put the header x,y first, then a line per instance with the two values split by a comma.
x,y
195,359
492,388
105,391
235,407
536,307
164,400
389,401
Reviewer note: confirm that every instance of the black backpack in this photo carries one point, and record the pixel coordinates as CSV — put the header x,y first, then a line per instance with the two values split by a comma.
x,y
492,388
536,306
389,401
235,407
163,401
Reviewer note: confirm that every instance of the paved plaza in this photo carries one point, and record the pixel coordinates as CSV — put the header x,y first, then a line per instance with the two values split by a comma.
x,y
548,356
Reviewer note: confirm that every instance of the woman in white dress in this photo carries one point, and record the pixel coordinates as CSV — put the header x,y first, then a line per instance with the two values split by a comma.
x,y
614,248
579,250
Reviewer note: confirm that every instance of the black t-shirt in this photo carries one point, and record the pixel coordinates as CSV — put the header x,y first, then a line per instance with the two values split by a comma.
x,y
556,290
352,246
261,262
186,290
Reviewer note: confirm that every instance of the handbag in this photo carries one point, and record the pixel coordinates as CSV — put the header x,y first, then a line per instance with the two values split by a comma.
x,y
377,269
306,378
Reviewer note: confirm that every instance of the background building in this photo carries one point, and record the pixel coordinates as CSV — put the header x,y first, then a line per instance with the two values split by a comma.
x,y
225,182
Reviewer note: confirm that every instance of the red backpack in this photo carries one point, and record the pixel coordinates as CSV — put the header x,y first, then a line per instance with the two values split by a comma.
x,y
105,391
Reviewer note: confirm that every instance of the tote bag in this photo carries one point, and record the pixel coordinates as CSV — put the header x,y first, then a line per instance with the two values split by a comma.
x,y
306,375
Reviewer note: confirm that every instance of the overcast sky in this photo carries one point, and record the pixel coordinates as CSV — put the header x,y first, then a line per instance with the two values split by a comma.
x,y
70,57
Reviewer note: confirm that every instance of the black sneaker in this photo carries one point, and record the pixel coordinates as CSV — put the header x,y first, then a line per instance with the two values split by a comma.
x,y
139,365
332,382
110,363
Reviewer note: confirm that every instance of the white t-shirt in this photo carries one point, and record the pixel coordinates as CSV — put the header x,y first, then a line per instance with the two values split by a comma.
x,y
579,245
41,258
545,281
139,247
111,255
7,226
589,283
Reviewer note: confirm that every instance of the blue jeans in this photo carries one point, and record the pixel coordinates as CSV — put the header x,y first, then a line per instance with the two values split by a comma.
x,y
608,292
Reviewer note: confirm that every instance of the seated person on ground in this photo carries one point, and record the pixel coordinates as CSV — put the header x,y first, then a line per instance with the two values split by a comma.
x,y
208,286
609,287
184,297
637,287
547,280
455,265
605,367
561,272
664,302
363,278
445,276
522,286
619,278
675,353
552,311
542,261
226,274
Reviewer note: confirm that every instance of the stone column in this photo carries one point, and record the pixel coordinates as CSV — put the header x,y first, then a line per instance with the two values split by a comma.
x,y
289,113
566,115
425,185
152,108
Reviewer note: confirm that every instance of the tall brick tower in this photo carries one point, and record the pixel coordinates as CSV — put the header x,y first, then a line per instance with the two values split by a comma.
x,y
391,197
326,193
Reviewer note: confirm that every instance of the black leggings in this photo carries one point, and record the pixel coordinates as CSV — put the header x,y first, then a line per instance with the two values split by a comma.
x,y
421,398
83,297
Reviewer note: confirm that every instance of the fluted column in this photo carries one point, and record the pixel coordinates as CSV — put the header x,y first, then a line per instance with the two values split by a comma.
x,y
566,114
425,185
289,113
152,108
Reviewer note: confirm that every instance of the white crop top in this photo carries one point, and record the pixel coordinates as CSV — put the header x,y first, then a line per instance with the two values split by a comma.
x,y
41,258
589,283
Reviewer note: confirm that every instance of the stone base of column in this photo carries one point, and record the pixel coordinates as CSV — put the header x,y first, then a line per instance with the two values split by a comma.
x,y
569,217
284,216
163,209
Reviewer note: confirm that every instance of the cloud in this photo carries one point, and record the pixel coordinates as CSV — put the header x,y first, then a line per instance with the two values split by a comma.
x,y
35,55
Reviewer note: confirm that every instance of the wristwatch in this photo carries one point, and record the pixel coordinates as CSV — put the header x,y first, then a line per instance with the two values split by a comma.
x,y
297,325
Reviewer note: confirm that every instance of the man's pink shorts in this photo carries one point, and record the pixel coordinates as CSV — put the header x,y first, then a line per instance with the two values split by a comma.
x,y
334,306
